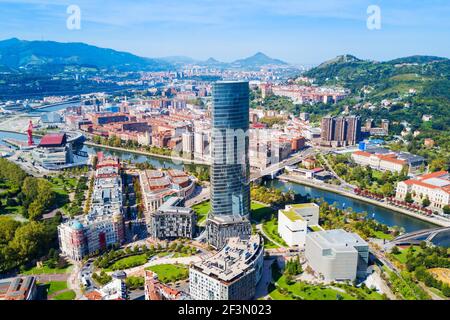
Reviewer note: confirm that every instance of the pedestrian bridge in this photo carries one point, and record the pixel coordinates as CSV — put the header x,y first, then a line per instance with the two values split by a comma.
x,y
417,237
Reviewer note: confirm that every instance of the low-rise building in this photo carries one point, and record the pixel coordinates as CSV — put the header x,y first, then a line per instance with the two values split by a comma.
x,y
231,274
386,160
158,186
155,290
172,221
337,255
116,289
293,222
20,288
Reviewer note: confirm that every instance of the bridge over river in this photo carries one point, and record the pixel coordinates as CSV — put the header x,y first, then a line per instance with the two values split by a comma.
x,y
417,237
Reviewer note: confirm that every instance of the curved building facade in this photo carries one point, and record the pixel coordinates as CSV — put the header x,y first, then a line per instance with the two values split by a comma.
x,y
230,187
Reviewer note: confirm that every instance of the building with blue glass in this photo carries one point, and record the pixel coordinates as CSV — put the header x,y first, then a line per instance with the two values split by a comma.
x,y
230,167
230,188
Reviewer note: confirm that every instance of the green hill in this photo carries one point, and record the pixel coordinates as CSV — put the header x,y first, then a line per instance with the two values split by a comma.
x,y
45,55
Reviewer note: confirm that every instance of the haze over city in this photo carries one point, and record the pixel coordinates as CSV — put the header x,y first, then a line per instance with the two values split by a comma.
x,y
296,31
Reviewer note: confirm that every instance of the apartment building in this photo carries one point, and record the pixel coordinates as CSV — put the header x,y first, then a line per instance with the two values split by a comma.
x,y
231,274
103,226
340,131
172,220
158,186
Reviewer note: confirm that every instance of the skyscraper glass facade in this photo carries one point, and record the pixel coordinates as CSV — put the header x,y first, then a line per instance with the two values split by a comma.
x,y
230,169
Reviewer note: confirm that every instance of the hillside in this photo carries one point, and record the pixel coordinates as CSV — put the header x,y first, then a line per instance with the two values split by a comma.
x,y
415,86
44,55
385,79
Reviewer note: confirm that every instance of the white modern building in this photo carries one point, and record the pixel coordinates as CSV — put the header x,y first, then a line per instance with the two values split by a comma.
x,y
337,255
231,274
293,222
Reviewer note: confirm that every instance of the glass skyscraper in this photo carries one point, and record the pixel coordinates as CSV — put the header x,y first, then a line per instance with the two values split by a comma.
x,y
230,169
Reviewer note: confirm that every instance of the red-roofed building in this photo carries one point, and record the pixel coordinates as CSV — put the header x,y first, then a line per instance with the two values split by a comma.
x,y
155,290
383,162
53,140
434,186
53,151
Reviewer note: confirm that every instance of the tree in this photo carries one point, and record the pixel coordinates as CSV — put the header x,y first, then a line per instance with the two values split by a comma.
x,y
426,202
395,250
8,228
446,209
408,198
438,164
35,210
28,240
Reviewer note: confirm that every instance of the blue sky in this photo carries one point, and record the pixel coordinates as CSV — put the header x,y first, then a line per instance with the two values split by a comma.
x,y
297,31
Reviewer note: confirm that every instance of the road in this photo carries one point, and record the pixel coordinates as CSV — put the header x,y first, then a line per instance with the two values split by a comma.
x,y
202,196
296,158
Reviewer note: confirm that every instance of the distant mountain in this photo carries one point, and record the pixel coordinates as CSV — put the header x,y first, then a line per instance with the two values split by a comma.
x,y
178,60
254,62
258,60
15,54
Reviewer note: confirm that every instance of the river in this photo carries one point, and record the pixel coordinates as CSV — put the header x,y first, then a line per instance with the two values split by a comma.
x,y
388,217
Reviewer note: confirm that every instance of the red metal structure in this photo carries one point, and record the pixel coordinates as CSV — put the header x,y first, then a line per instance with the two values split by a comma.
x,y
30,134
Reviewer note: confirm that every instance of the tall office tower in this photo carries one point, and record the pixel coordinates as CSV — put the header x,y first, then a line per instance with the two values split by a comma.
x,y
230,166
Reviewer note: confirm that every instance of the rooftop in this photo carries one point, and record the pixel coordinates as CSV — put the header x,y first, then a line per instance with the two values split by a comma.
x,y
234,260
338,240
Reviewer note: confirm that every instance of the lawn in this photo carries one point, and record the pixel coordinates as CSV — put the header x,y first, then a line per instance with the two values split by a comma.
x,y
67,295
271,229
128,262
310,292
55,286
260,211
383,236
170,272
202,210
46,270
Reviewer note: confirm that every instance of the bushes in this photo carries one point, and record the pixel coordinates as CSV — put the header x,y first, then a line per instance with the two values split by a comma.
x,y
103,278
430,281
406,287
134,282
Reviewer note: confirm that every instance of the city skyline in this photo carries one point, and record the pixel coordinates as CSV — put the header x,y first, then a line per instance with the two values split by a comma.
x,y
203,29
